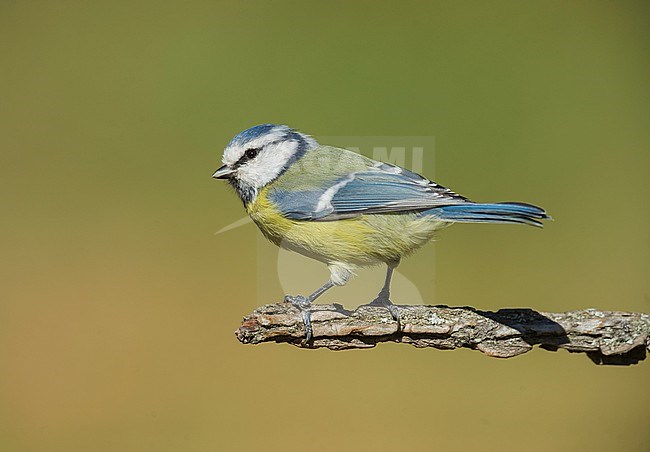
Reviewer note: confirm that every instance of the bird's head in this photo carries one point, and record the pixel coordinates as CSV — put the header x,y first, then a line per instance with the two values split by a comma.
x,y
259,155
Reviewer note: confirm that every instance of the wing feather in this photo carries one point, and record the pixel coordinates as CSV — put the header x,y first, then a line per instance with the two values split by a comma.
x,y
381,188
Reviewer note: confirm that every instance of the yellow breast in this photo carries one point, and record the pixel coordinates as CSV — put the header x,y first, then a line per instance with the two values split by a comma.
x,y
363,240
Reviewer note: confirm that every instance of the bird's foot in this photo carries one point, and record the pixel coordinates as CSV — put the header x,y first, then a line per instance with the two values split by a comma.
x,y
303,304
384,302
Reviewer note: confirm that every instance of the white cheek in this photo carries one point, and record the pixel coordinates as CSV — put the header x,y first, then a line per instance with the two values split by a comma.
x,y
268,164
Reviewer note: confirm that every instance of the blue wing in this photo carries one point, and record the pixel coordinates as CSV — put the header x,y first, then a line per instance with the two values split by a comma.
x,y
382,188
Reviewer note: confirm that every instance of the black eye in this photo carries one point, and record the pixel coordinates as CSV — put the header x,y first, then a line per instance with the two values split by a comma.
x,y
252,153
248,155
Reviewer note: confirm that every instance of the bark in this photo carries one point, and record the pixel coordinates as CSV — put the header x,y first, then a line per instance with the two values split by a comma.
x,y
607,337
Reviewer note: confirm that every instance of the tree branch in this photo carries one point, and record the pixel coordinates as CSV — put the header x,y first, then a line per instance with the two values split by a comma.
x,y
608,337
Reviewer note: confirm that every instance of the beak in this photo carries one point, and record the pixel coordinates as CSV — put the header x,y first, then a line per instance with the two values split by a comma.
x,y
223,173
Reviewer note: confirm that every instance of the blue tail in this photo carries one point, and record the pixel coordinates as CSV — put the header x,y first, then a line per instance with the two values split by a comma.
x,y
505,212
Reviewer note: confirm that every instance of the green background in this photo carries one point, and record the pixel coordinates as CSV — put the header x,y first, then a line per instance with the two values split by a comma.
x,y
118,302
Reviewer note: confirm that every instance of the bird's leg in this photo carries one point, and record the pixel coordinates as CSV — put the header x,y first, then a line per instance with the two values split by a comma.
x,y
303,304
383,299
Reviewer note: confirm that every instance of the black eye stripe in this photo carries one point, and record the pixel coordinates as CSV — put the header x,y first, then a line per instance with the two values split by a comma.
x,y
248,155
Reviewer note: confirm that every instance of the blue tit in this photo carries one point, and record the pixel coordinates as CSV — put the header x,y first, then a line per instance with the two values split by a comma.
x,y
344,209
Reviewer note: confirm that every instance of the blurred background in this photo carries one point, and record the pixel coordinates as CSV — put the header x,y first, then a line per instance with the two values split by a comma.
x,y
118,302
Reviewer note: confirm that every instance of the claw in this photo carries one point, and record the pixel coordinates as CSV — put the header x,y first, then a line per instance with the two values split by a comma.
x,y
303,304
298,301
385,302
394,312
306,319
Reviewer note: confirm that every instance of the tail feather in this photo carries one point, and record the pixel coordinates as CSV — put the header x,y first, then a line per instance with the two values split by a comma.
x,y
505,212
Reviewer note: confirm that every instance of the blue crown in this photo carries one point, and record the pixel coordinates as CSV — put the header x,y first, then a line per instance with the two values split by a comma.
x,y
254,132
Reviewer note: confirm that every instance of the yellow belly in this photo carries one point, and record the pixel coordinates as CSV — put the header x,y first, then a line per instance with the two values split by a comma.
x,y
361,241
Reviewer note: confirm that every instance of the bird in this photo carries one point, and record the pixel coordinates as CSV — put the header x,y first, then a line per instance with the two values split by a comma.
x,y
344,209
